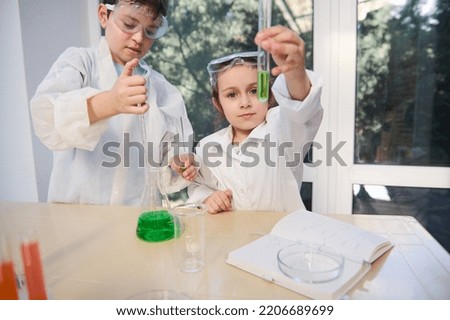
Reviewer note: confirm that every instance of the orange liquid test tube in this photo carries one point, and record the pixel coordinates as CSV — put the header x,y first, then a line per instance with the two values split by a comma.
x,y
34,275
8,288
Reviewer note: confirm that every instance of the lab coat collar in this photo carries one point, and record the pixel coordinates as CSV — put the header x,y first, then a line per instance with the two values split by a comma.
x,y
108,73
259,133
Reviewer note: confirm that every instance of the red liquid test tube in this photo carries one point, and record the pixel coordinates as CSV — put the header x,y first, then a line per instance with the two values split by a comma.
x,y
34,275
8,288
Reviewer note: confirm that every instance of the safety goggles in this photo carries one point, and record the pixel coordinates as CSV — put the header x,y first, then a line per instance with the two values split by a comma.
x,y
216,66
128,16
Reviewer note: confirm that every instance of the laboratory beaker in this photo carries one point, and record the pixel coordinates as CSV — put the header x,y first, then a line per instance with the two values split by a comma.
x,y
189,236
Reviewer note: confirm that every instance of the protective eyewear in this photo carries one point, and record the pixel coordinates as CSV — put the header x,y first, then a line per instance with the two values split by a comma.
x,y
249,58
128,16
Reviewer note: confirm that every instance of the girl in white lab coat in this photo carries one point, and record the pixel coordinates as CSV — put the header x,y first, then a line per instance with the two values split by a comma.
x,y
88,110
256,163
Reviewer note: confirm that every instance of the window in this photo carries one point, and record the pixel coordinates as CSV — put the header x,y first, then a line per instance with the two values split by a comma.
x,y
402,100
386,73
402,97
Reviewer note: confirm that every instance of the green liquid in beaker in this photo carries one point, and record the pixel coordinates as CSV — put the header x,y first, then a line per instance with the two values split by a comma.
x,y
263,86
155,226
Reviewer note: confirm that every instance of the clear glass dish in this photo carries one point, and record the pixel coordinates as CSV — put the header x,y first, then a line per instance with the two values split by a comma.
x,y
306,262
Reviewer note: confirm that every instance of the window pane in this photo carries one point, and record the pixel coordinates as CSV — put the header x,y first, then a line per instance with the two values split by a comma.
x,y
431,207
202,30
403,82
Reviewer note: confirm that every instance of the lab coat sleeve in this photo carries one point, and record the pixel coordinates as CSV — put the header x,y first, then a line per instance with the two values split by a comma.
x,y
199,190
59,106
205,184
172,182
177,141
299,120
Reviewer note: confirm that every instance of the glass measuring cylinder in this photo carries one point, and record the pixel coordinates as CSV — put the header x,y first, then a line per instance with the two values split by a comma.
x,y
264,21
190,236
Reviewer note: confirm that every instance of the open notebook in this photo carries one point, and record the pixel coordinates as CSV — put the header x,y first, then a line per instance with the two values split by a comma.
x,y
358,247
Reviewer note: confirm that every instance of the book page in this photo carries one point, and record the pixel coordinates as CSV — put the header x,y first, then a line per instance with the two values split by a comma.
x,y
352,242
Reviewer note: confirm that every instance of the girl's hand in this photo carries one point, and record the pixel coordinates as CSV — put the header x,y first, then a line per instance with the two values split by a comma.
x,y
219,201
184,165
288,52
285,46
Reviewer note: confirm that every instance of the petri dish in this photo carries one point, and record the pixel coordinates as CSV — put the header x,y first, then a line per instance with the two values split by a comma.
x,y
311,263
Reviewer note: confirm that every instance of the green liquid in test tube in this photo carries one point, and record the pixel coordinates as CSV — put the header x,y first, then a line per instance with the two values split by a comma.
x,y
264,21
263,86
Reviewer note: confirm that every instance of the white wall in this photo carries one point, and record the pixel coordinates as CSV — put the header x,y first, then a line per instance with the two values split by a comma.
x,y
32,35
17,172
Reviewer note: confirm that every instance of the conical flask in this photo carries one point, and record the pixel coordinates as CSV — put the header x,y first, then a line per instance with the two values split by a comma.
x,y
155,223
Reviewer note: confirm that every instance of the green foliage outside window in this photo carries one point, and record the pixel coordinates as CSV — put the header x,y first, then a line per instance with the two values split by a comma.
x,y
403,95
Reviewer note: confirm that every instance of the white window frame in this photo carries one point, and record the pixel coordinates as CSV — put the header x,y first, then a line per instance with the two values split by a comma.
x,y
335,41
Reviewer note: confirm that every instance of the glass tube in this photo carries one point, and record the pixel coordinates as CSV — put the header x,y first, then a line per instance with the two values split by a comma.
x,y
8,281
265,17
32,264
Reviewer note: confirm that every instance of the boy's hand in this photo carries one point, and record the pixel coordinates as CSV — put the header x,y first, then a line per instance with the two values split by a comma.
x,y
128,95
288,52
130,92
184,165
219,201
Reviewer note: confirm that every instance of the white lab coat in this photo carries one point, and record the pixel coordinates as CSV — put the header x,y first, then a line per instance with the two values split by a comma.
x,y
265,171
99,163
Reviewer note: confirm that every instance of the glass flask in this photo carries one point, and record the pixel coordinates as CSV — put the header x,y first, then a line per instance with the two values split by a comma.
x,y
155,224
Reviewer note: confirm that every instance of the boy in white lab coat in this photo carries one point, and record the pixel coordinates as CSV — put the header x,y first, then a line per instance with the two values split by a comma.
x,y
88,110
256,163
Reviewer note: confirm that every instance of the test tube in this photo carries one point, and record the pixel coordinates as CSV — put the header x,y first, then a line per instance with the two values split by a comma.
x,y
8,287
34,273
265,17
183,168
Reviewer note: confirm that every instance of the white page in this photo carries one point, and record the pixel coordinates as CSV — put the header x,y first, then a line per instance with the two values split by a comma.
x,y
352,242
